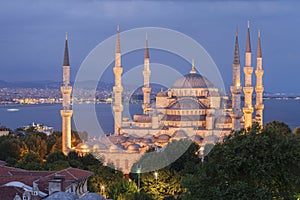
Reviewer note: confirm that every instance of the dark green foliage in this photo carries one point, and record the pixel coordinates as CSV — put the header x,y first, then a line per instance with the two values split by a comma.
x,y
56,156
257,164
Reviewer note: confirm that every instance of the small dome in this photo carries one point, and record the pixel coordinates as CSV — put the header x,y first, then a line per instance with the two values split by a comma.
x,y
82,146
210,139
115,147
163,138
98,146
133,147
162,94
193,80
197,139
179,134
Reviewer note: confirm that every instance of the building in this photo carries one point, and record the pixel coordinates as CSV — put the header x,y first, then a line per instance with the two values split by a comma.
x,y
193,108
33,185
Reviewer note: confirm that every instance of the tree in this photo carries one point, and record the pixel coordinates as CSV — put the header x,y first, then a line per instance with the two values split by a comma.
x,y
11,147
122,189
165,184
56,156
36,144
256,164
31,161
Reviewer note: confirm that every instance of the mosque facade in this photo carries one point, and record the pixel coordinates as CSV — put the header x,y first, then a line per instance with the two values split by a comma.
x,y
193,108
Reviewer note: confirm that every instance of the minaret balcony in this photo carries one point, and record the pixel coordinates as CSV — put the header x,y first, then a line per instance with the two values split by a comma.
x,y
66,89
236,89
248,70
248,110
118,70
118,108
259,72
146,90
117,89
146,73
259,106
259,89
66,113
248,90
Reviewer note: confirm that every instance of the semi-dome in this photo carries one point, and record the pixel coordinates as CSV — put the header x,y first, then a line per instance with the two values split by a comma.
x,y
186,103
193,80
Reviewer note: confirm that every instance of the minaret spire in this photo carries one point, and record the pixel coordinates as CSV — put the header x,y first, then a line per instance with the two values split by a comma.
x,y
146,73
146,48
248,89
236,58
118,88
66,112
66,54
259,89
236,88
259,55
248,44
118,49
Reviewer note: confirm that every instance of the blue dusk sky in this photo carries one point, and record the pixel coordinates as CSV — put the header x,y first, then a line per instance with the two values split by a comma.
x,y
32,34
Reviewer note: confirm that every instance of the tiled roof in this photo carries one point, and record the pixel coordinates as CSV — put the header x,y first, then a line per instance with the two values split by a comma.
x,y
9,192
2,162
9,174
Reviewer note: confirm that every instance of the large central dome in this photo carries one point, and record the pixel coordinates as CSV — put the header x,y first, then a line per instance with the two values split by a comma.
x,y
193,80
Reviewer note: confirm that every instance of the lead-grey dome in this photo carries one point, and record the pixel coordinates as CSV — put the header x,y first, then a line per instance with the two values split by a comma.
x,y
193,81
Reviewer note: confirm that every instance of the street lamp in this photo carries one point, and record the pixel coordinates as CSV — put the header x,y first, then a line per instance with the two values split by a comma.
x,y
201,150
156,176
103,191
138,171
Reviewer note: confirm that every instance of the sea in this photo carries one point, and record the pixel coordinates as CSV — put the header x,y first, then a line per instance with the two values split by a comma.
x,y
14,116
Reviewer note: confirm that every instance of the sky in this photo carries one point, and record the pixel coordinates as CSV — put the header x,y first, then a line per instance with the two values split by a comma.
x,y
32,34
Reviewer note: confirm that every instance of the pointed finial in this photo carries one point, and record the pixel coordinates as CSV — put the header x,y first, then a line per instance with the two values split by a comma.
x,y
66,54
248,44
259,54
236,31
193,71
236,57
146,48
118,49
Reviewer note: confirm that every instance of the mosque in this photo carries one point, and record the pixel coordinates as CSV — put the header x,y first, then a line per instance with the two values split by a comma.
x,y
192,109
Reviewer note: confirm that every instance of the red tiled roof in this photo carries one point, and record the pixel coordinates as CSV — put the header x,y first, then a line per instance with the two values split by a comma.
x,y
2,162
4,170
9,174
9,192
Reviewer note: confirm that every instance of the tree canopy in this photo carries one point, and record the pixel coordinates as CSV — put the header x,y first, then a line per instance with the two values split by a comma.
x,y
254,164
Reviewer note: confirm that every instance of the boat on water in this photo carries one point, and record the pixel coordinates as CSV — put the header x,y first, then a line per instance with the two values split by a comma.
x,y
13,109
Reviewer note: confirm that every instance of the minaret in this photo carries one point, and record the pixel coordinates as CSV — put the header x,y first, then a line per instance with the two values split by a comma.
x,y
146,72
248,89
117,89
259,89
236,88
66,112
